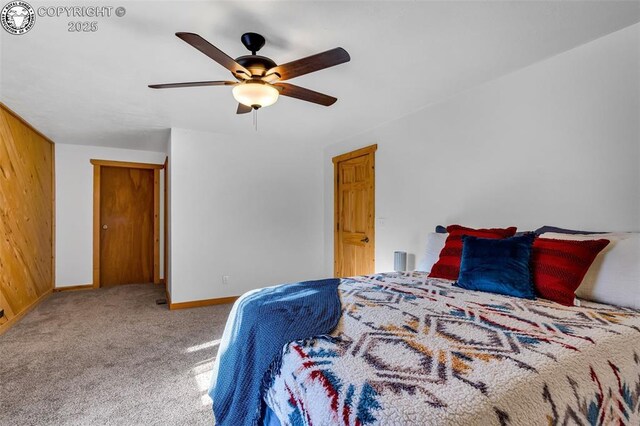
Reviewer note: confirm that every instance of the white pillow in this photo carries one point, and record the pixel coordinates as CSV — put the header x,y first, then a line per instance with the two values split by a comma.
x,y
435,244
614,275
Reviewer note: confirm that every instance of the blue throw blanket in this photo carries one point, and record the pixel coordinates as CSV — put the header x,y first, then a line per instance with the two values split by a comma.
x,y
260,324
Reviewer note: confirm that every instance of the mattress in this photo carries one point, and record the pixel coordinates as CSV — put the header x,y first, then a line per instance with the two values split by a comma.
x,y
409,349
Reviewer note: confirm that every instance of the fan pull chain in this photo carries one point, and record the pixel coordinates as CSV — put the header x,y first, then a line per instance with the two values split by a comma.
x,y
255,119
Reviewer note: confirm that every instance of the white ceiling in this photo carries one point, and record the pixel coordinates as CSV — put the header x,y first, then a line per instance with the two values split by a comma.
x,y
91,88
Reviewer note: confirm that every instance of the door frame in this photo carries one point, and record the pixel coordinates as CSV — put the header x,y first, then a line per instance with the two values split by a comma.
x,y
165,280
367,150
97,170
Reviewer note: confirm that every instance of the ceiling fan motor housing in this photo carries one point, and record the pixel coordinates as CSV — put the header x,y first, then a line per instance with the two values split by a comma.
x,y
257,65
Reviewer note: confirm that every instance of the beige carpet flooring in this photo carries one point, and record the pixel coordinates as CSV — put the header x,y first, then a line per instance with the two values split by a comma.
x,y
109,357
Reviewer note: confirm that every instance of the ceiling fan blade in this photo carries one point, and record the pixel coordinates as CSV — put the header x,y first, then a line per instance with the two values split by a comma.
x,y
298,92
312,63
216,54
193,84
243,109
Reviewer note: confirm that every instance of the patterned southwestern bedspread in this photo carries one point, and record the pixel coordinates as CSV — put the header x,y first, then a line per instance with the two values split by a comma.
x,y
411,350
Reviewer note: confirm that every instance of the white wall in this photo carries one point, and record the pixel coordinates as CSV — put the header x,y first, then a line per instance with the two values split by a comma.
x,y
74,207
247,208
556,143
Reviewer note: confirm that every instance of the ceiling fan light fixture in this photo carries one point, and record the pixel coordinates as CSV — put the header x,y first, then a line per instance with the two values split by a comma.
x,y
260,81
255,94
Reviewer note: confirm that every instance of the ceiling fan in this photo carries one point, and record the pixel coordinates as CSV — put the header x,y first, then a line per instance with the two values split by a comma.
x,y
260,79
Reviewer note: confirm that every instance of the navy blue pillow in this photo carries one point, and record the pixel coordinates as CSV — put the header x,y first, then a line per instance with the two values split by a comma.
x,y
441,229
497,266
547,228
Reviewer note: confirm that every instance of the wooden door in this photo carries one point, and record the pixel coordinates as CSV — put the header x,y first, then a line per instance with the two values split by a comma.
x,y
354,213
126,225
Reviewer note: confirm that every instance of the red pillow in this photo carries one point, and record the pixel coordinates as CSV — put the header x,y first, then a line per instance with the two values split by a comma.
x,y
448,265
558,266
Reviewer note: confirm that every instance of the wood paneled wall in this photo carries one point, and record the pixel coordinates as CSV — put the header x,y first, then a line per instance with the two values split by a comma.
x,y
26,216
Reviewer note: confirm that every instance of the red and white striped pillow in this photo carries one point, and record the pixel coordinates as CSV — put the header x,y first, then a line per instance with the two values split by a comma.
x,y
558,266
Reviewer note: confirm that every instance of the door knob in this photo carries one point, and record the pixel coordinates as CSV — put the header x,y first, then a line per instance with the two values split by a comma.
x,y
105,227
365,240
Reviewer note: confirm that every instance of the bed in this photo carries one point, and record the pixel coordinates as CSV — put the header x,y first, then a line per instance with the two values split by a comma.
x,y
409,349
